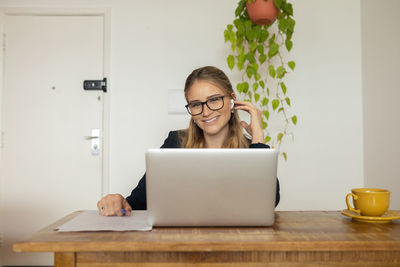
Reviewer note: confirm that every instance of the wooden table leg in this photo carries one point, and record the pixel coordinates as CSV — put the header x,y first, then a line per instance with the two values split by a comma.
x,y
64,259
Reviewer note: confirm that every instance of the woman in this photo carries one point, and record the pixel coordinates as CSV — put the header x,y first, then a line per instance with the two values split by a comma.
x,y
215,123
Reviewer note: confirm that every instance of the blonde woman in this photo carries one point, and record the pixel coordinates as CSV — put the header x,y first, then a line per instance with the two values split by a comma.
x,y
214,123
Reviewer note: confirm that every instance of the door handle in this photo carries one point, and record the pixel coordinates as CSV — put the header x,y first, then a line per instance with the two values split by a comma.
x,y
91,137
95,144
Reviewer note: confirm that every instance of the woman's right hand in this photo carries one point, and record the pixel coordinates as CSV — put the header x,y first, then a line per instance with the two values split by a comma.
x,y
255,127
112,204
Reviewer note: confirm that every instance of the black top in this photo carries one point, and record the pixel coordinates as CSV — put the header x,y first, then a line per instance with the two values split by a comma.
x,y
137,199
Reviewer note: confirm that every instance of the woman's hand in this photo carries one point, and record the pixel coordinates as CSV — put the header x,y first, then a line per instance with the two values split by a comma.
x,y
255,128
112,205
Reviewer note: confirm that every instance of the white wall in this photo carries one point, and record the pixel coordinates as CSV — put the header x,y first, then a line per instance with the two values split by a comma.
x,y
325,160
151,55
326,157
381,94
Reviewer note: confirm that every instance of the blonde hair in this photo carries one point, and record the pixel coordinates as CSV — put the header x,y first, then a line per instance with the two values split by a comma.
x,y
193,136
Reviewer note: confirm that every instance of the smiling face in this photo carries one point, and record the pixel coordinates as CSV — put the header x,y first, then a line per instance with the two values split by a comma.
x,y
212,122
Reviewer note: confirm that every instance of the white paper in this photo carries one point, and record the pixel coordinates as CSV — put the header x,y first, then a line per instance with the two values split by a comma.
x,y
92,220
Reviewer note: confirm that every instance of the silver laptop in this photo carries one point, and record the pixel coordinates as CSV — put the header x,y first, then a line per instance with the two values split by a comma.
x,y
211,187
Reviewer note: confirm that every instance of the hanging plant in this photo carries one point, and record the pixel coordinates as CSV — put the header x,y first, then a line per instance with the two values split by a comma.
x,y
259,52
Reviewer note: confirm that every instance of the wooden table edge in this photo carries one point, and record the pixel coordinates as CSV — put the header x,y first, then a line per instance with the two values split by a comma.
x,y
199,246
336,245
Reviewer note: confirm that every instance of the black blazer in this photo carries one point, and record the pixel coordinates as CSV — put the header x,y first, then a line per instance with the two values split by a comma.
x,y
137,199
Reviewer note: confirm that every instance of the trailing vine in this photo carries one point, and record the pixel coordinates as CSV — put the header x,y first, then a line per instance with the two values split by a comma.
x,y
259,53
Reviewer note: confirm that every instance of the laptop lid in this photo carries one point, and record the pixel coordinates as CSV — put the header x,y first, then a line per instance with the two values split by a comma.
x,y
211,187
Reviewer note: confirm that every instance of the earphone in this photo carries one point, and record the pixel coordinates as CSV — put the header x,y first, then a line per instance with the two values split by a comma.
x,y
232,104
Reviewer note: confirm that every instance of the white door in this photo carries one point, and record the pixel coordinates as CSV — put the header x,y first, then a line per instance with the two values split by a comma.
x,y
47,167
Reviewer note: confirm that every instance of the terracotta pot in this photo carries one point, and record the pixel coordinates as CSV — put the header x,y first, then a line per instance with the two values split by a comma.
x,y
262,12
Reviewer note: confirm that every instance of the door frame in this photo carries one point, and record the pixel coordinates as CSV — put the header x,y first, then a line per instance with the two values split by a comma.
x,y
106,14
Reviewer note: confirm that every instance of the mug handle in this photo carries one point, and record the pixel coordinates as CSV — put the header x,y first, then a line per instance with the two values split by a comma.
x,y
348,202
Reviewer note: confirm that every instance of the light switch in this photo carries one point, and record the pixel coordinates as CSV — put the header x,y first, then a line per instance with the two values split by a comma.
x,y
176,102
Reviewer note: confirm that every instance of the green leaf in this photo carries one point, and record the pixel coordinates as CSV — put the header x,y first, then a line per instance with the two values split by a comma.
x,y
278,3
248,24
287,8
238,11
262,58
255,66
289,44
226,35
271,71
267,139
275,103
272,39
241,59
280,110
284,155
240,41
264,125
257,76
239,87
239,49
262,84
257,32
250,94
253,47
291,65
231,61
238,23
240,8
250,57
273,50
240,34
260,49
232,37
250,71
267,91
255,86
283,86
265,101
230,27
245,87
266,114
291,23
279,137
250,34
294,120
263,36
256,96
289,35
280,72
283,25
287,101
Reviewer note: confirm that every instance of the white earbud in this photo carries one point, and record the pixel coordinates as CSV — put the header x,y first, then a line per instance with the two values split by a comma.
x,y
232,105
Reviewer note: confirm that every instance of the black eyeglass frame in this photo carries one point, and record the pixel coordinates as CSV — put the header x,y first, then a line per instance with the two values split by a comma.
x,y
205,102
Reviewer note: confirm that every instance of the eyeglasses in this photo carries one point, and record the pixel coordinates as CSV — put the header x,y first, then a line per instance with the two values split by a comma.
x,y
214,103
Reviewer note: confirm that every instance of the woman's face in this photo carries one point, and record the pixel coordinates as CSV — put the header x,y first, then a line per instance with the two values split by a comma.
x,y
210,121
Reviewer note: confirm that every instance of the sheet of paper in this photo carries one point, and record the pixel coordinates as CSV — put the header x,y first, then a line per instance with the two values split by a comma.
x,y
92,220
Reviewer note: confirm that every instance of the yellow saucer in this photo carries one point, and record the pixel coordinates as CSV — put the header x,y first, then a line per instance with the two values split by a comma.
x,y
385,218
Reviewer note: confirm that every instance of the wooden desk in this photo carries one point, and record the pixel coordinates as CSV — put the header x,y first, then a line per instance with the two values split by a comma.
x,y
296,239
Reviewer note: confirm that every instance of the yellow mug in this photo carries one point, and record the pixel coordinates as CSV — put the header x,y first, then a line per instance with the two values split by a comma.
x,y
369,201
